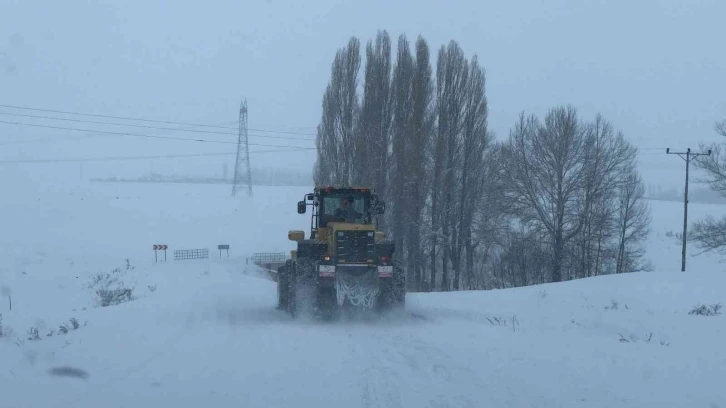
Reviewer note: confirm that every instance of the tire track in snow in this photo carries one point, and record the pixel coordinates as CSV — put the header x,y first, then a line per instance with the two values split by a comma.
x,y
433,368
378,381
398,370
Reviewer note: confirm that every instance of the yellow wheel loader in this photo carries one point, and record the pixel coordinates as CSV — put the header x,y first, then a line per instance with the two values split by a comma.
x,y
345,263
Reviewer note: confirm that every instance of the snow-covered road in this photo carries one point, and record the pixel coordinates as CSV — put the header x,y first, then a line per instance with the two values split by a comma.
x,y
228,346
215,339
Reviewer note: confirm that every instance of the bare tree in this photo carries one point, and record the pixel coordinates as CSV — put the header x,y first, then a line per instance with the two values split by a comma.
x,y
413,119
338,126
607,156
452,72
491,224
436,171
326,171
600,239
402,109
421,127
633,222
714,165
721,128
559,199
709,234
373,139
545,176
474,140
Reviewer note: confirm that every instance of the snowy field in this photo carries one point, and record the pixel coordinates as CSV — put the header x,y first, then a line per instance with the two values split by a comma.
x,y
206,332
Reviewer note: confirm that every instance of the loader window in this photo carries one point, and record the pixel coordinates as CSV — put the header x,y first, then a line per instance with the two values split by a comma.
x,y
343,208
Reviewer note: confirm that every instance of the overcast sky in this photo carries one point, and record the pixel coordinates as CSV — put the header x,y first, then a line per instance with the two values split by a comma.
x,y
654,69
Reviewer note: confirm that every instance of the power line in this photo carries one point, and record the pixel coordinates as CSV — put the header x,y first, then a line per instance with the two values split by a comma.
x,y
147,126
53,139
121,158
113,158
143,135
151,120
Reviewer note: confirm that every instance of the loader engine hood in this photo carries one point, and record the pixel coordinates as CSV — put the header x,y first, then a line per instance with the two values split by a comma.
x,y
353,248
352,243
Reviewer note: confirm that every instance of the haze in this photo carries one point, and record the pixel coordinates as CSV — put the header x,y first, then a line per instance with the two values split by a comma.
x,y
653,68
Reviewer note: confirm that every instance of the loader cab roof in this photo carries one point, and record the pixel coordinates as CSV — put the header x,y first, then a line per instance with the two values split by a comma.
x,y
342,190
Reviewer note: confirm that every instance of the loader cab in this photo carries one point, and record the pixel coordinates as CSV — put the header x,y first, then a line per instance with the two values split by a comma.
x,y
327,203
332,205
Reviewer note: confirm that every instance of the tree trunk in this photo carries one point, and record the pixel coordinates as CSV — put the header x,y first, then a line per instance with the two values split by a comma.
x,y
559,251
445,266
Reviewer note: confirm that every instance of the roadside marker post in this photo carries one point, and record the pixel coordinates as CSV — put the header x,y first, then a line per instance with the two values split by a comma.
x,y
159,248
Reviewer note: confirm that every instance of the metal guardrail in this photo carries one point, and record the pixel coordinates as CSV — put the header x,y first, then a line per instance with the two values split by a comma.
x,y
270,261
181,254
268,257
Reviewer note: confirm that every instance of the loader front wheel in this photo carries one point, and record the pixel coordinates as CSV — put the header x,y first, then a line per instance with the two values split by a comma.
x,y
291,291
283,287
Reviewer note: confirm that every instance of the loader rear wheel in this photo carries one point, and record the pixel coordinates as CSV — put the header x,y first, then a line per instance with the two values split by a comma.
x,y
393,294
326,305
283,287
291,298
300,278
399,285
294,280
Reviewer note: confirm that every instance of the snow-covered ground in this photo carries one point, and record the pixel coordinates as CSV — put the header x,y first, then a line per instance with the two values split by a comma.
x,y
206,333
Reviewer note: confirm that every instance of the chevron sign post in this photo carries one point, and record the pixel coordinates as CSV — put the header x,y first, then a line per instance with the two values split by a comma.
x,y
160,248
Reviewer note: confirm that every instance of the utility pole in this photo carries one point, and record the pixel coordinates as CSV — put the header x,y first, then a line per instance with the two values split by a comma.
x,y
243,153
687,156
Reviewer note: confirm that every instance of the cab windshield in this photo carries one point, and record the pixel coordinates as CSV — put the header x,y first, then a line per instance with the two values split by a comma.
x,y
344,208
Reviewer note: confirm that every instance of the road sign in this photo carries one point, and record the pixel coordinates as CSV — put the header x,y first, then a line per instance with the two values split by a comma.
x,y
221,247
159,247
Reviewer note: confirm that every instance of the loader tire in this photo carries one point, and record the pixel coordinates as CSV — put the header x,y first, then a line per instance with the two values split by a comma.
x,y
291,297
326,305
283,287
393,296
301,276
399,286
